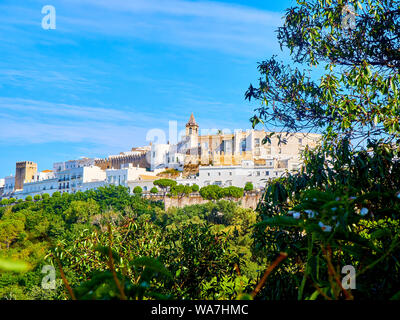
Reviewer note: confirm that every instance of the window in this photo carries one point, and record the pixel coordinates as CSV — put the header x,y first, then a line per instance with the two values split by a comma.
x,y
258,173
257,142
230,173
300,141
243,145
267,173
227,146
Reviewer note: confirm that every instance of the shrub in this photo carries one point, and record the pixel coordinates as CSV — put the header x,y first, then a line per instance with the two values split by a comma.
x,y
212,192
37,197
249,186
137,190
233,192
28,198
154,190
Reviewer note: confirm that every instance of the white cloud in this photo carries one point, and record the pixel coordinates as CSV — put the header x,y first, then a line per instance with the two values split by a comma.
x,y
26,122
202,24
228,28
34,122
201,9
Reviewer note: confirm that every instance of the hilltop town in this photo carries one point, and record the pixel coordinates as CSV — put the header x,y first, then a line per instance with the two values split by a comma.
x,y
215,159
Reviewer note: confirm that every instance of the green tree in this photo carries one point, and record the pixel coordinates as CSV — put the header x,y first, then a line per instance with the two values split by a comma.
x,y
358,95
203,252
233,192
154,190
343,207
28,198
37,197
137,190
212,192
81,211
181,190
195,188
45,196
10,229
165,184
249,186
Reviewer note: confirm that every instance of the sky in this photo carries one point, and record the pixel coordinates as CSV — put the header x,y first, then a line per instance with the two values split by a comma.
x,y
112,71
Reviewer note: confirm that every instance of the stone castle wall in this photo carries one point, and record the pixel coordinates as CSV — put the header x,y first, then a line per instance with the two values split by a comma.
x,y
117,162
249,201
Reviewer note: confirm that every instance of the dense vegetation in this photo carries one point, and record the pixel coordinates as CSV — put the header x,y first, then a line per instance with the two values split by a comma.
x,y
198,252
343,208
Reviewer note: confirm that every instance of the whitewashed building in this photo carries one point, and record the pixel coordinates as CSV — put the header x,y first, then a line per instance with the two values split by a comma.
x,y
238,176
71,176
9,186
2,183
128,175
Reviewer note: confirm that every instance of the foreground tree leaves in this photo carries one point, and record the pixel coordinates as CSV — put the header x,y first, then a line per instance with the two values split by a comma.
x,y
7,265
343,207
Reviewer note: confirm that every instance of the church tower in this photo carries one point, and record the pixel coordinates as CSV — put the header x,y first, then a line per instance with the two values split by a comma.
x,y
192,132
192,127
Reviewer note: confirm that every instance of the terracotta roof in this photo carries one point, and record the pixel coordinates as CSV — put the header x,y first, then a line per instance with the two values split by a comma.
x,y
145,177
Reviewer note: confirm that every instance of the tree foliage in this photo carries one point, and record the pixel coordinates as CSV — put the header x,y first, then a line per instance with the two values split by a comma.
x,y
342,208
153,257
358,94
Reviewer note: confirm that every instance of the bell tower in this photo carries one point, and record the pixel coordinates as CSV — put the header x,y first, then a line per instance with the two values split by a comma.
x,y
192,128
192,132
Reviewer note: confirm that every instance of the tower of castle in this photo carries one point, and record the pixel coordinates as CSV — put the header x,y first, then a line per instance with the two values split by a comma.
x,y
24,172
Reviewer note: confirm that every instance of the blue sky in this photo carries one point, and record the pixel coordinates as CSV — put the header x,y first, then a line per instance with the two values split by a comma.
x,y
112,70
